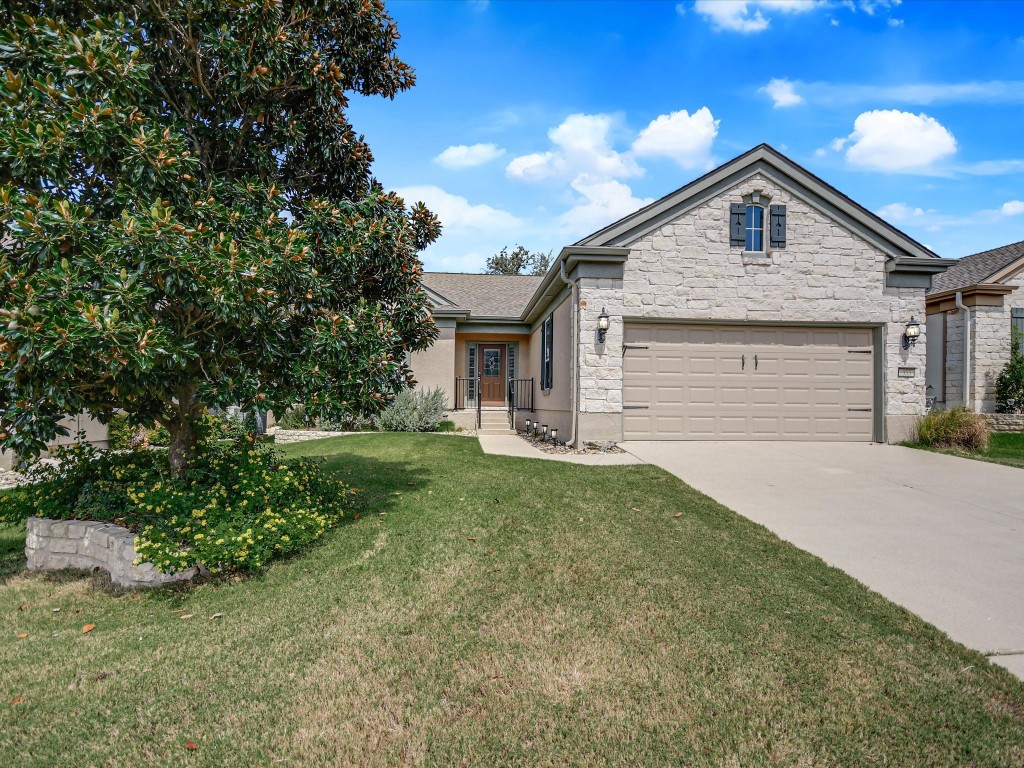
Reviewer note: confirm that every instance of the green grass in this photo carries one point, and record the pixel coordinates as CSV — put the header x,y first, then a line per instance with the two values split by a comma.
x,y
501,611
1003,448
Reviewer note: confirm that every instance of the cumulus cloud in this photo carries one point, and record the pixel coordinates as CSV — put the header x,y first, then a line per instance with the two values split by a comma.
x,y
891,140
582,144
782,92
467,156
683,137
745,16
601,202
457,214
899,212
1012,208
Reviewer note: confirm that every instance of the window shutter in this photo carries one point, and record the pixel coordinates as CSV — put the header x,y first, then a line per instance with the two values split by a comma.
x,y
1017,323
777,232
551,349
737,224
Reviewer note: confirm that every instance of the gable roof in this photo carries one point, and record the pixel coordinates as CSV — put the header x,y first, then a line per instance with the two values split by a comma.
x,y
978,268
772,163
490,296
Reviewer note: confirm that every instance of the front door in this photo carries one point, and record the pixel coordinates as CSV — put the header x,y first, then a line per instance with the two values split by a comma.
x,y
492,374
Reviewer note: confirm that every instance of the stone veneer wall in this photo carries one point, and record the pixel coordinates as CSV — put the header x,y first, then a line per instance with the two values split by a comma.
x,y
53,545
1005,422
687,270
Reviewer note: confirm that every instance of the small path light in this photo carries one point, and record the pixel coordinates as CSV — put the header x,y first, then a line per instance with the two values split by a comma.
x,y
544,429
529,423
554,435
602,325
911,334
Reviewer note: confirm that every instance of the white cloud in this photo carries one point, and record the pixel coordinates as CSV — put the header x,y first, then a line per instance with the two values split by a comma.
x,y
685,138
601,202
895,22
899,212
891,140
745,16
467,156
582,145
782,92
980,91
1012,208
457,214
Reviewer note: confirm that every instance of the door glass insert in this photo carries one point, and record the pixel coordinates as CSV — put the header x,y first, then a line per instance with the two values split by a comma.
x,y
492,362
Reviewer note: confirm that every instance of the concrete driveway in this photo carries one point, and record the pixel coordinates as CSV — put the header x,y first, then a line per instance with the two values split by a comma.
x,y
941,536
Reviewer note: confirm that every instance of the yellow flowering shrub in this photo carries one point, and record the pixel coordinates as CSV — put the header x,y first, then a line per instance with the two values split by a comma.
x,y
238,507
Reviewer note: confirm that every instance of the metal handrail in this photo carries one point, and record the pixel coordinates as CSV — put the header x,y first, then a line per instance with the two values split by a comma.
x,y
479,402
520,398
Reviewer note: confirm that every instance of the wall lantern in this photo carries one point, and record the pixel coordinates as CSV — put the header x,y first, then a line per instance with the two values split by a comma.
x,y
602,325
554,435
911,334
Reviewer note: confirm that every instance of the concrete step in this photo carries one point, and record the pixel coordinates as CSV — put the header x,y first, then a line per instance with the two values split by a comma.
x,y
485,430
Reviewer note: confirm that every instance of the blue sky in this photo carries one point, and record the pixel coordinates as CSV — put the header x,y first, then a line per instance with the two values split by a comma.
x,y
540,122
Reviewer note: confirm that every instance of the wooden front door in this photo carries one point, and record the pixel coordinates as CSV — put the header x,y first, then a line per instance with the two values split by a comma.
x,y
492,374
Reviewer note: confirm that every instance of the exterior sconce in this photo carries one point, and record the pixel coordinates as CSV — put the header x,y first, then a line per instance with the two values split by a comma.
x,y
911,334
602,325
554,435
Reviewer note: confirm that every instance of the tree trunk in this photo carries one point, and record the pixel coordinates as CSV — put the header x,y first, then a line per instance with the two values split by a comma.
x,y
182,428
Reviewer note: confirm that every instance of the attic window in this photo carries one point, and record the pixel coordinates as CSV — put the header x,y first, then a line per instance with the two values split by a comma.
x,y
754,228
747,224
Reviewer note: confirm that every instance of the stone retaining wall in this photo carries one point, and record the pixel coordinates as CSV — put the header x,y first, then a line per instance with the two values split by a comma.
x,y
1005,422
52,545
284,436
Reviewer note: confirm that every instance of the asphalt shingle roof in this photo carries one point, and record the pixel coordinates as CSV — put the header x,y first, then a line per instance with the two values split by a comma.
x,y
976,268
485,295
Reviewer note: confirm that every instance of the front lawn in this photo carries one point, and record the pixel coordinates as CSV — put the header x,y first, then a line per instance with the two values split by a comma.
x,y
497,611
1003,448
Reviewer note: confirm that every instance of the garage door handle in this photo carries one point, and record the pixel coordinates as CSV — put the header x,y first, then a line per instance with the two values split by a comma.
x,y
635,407
755,362
860,410
859,351
743,362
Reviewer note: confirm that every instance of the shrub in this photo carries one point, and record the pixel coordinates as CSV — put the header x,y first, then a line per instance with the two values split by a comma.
x,y
413,411
1010,382
354,424
954,428
294,418
121,435
236,508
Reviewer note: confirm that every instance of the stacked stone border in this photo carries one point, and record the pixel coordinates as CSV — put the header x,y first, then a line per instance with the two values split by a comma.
x,y
285,436
53,545
1005,422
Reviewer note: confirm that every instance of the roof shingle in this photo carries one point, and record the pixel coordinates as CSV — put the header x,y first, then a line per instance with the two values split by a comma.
x,y
503,296
976,268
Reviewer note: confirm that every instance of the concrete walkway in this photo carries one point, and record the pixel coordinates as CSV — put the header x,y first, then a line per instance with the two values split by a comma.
x,y
940,535
514,445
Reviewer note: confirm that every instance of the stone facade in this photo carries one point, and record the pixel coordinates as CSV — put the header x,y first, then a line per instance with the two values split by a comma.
x,y
990,349
53,545
285,436
1005,422
687,270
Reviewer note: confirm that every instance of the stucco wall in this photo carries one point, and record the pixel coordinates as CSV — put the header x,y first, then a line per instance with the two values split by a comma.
x,y
687,270
435,366
553,407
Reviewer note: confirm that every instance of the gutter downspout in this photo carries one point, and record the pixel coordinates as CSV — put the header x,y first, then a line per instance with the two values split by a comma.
x,y
967,347
574,392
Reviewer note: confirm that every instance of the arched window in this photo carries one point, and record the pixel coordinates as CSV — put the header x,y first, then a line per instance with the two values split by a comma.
x,y
755,228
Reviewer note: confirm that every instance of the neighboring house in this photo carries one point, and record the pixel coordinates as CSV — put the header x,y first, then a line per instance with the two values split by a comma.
x,y
755,303
991,305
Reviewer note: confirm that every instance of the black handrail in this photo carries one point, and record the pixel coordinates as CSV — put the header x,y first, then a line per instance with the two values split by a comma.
x,y
520,398
479,402
463,393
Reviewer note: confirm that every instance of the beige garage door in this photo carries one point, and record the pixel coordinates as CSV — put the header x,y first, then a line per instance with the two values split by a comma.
x,y
740,382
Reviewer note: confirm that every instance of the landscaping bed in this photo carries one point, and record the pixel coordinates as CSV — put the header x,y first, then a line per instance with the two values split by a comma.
x,y
1003,448
487,610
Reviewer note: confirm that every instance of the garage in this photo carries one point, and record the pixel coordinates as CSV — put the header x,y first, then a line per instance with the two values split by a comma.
x,y
747,382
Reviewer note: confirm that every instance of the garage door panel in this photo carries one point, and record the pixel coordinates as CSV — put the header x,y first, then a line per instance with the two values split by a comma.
x,y
702,382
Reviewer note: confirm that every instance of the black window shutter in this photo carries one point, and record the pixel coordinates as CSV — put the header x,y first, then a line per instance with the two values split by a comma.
x,y
550,364
1017,322
777,233
737,224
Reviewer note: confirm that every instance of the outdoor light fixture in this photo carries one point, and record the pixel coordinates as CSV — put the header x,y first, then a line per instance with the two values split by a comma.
x,y
554,435
912,332
544,428
602,325
529,422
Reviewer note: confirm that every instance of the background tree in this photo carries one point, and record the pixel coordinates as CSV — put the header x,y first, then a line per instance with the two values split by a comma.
x,y
520,259
188,218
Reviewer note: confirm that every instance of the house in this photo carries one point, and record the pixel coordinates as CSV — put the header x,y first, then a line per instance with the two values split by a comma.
x,y
980,293
755,303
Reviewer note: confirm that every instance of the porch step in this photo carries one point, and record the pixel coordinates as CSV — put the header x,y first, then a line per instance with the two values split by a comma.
x,y
485,430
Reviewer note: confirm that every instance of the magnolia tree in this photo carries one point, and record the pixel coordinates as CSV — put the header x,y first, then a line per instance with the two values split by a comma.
x,y
188,218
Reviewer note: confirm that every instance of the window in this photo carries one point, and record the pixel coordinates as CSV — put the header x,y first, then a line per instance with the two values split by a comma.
x,y
491,362
1017,325
755,228
546,352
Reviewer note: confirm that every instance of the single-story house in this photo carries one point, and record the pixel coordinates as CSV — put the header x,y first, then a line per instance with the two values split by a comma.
x,y
755,303
979,292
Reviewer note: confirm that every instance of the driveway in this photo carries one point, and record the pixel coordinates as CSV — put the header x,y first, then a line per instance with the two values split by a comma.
x,y
940,535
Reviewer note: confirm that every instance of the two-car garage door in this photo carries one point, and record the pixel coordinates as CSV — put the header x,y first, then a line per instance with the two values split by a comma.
x,y
745,382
